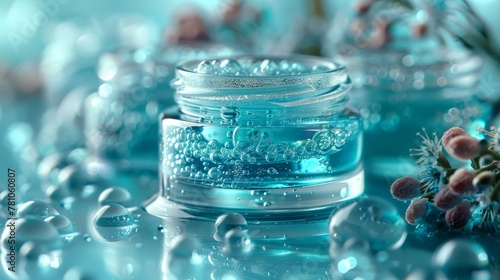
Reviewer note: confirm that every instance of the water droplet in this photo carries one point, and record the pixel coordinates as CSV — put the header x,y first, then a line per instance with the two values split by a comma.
x,y
65,228
461,259
113,222
37,208
237,243
339,137
230,67
246,138
226,222
324,140
310,146
115,195
183,258
205,67
30,229
263,147
37,262
56,193
370,219
272,170
214,173
268,67
87,237
271,156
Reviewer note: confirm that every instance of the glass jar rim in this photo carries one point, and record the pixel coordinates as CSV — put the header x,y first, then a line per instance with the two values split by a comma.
x,y
332,74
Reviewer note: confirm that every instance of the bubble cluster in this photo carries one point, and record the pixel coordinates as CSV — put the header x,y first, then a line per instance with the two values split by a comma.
x,y
219,155
256,67
113,222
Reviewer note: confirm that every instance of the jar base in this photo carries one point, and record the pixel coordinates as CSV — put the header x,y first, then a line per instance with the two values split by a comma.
x,y
308,207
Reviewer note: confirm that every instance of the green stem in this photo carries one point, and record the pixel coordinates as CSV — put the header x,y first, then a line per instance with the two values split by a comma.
x,y
475,163
495,193
442,161
429,195
493,153
490,167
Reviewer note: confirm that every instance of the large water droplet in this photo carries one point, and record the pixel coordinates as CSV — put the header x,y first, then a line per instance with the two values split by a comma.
x,y
183,258
205,67
115,195
30,229
65,228
37,208
113,222
237,243
37,262
371,219
228,221
461,259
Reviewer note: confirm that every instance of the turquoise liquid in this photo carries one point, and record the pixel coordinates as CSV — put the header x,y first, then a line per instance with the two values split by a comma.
x,y
307,165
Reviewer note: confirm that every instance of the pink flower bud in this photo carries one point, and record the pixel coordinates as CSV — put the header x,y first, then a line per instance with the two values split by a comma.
x,y
458,216
461,180
416,209
405,188
452,133
463,147
446,198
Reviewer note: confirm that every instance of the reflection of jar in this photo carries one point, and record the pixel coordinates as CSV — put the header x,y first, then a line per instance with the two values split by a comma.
x,y
121,118
269,137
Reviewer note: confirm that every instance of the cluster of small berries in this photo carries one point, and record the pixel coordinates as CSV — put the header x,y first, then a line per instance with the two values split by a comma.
x,y
466,197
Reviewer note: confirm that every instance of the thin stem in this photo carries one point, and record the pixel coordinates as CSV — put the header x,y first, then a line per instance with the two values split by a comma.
x,y
494,195
429,195
443,161
493,153
491,166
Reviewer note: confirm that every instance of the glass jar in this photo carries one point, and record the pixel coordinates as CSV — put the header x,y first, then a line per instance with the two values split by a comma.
x,y
270,137
409,72
397,100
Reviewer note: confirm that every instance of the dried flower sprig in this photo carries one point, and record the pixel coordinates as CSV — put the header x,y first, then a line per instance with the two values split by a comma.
x,y
461,198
